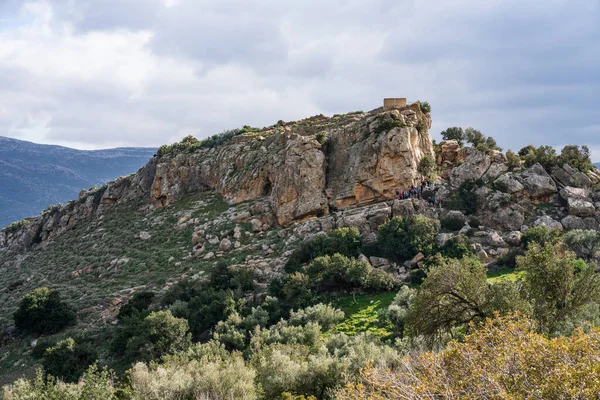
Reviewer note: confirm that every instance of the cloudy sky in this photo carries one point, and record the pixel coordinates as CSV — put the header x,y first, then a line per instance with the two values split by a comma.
x,y
104,73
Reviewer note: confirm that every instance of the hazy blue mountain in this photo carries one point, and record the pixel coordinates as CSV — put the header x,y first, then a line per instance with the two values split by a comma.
x,y
33,176
597,164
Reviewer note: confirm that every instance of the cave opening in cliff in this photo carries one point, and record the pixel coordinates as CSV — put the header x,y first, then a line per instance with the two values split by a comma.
x,y
267,187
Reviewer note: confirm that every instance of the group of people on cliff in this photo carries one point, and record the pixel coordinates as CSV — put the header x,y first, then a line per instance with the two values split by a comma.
x,y
416,192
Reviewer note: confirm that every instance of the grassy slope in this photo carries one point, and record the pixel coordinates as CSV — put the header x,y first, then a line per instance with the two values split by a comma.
x,y
362,312
152,265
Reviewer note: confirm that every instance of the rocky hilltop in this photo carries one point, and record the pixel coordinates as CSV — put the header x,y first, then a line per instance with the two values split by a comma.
x,y
303,169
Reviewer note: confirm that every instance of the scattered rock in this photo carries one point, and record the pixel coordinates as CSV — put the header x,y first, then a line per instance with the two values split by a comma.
x,y
379,262
143,235
548,222
225,245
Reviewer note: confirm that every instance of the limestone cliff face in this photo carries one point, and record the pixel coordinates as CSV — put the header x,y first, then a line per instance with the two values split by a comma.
x,y
304,169
366,157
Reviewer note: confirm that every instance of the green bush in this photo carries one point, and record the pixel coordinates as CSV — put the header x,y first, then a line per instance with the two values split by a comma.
x,y
405,237
323,314
160,334
451,224
480,142
512,160
16,226
425,107
379,281
42,311
386,124
68,360
345,241
454,133
540,235
465,199
577,157
338,271
457,247
428,168
140,301
544,155
585,243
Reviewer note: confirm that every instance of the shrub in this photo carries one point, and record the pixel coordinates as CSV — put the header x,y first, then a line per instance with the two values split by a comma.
x,y
68,360
454,133
457,247
323,314
94,384
544,155
140,301
451,224
338,271
160,333
577,157
17,226
540,235
386,124
42,311
455,293
512,160
405,237
480,142
345,241
397,312
322,137
428,168
556,285
465,199
425,107
220,378
379,281
585,244
526,150
540,367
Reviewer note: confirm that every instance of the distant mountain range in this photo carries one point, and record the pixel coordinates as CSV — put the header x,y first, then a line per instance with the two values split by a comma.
x,y
597,164
34,176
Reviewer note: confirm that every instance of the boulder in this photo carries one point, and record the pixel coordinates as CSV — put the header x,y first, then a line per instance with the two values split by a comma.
x,y
569,176
415,261
474,167
571,222
489,238
379,262
581,208
538,183
507,183
143,235
442,238
513,238
548,222
403,208
494,171
455,215
225,245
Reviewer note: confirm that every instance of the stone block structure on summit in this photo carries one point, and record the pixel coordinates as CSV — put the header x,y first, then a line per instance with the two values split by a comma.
x,y
392,103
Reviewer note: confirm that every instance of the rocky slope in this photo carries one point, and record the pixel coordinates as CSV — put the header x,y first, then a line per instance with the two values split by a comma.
x,y
32,176
303,169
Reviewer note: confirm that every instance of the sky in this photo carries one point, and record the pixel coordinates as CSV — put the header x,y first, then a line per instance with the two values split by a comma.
x,y
105,73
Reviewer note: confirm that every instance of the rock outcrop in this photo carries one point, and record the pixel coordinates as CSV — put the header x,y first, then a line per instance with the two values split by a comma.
x,y
304,169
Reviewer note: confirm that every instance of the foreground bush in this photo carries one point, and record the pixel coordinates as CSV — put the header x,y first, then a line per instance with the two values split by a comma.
x,y
208,379
94,384
504,359
405,237
68,360
42,311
